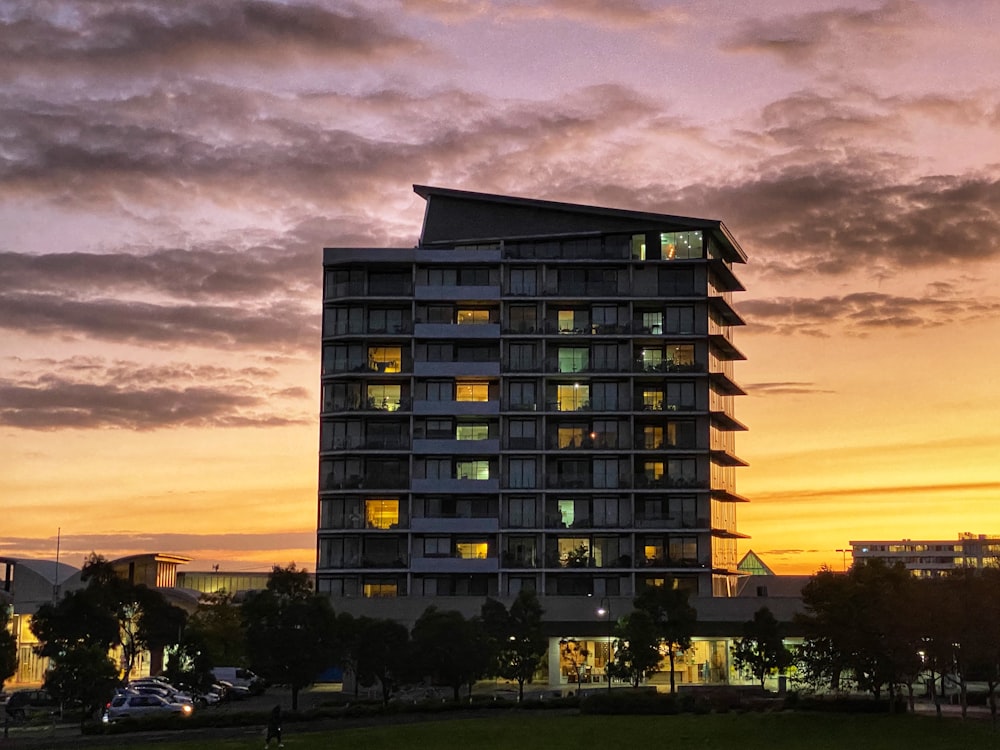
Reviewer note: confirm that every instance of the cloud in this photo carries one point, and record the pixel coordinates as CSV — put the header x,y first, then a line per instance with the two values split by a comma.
x,y
90,393
123,38
783,388
805,39
861,313
626,14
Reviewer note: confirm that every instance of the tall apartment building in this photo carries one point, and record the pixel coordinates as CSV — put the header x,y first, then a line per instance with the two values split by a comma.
x,y
538,395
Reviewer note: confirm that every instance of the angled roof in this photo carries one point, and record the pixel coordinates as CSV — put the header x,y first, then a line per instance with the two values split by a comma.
x,y
753,565
456,216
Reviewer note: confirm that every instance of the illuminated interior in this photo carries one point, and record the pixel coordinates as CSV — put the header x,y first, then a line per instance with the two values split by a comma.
x,y
472,317
381,513
385,358
472,391
572,397
471,550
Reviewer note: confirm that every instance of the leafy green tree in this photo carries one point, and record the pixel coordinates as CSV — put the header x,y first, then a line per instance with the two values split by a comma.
x,y
84,675
761,650
673,618
212,637
636,648
289,630
449,648
380,653
518,642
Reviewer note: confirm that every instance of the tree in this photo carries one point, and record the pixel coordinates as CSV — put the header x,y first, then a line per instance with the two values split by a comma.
x,y
449,648
636,647
673,618
8,648
289,630
517,639
83,675
380,653
212,637
761,649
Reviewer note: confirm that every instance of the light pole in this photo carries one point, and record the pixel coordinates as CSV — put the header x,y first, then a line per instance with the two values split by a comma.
x,y
605,611
844,556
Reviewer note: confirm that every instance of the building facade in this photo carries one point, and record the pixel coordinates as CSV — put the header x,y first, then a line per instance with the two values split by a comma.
x,y
927,558
537,396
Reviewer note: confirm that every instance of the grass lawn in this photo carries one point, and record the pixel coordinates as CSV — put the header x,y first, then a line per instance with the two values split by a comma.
x,y
538,731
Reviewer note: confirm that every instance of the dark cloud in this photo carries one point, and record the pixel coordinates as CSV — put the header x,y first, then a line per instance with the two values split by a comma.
x,y
623,14
123,37
88,393
806,38
784,388
861,313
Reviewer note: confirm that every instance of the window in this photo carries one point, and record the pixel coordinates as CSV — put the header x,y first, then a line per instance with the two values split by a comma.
x,y
652,322
384,397
605,319
652,399
442,277
607,511
472,391
676,282
476,469
439,314
652,470
574,551
476,353
472,550
522,395
652,437
437,468
521,512
652,359
605,433
681,245
472,432
438,429
638,244
522,281
472,317
680,434
680,319
440,352
572,397
521,474
682,470
439,390
604,396
385,358
385,321
680,354
523,318
381,513
389,282
341,320
606,473
522,357
573,435
573,358
683,548
573,321
473,276
437,546
605,358
521,434
380,589
680,396
521,552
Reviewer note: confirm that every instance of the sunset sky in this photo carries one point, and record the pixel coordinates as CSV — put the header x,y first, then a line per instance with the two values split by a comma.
x,y
170,172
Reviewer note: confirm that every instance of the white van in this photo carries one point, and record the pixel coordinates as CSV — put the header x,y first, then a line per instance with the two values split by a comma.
x,y
240,677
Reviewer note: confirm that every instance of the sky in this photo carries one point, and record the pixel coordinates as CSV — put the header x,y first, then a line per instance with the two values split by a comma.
x,y
170,172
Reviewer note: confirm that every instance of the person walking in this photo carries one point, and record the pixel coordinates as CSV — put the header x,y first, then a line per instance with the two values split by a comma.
x,y
274,727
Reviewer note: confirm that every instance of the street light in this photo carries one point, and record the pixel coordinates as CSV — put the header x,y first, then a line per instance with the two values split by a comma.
x,y
844,556
605,611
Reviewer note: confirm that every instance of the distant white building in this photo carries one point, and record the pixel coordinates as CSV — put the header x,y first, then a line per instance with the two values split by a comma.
x,y
930,558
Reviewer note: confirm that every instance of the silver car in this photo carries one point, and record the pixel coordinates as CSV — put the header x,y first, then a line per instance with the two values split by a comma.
x,y
133,705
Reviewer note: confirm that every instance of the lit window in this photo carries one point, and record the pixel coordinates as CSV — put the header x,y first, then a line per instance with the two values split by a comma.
x,y
472,432
652,322
380,589
652,358
472,469
680,245
652,437
473,317
680,354
652,400
639,246
573,359
384,397
471,550
572,397
466,391
572,436
385,358
381,513
653,470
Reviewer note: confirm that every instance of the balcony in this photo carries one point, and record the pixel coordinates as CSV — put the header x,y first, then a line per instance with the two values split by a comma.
x,y
454,331
642,482
458,293
452,486
454,565
454,525
482,369
456,408
667,367
454,447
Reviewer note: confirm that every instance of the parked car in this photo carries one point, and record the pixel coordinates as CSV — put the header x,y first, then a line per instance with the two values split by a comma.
x,y
24,703
241,677
131,705
234,692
